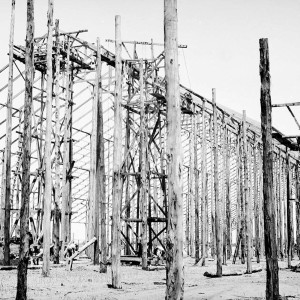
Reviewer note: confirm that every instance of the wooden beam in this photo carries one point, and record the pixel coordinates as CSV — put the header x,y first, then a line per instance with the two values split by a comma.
x,y
247,197
56,218
272,283
66,162
70,260
8,141
174,245
204,198
24,213
100,166
295,119
289,210
48,178
196,176
143,162
216,188
286,104
117,160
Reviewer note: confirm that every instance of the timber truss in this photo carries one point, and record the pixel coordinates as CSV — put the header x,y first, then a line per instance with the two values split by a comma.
x,y
144,169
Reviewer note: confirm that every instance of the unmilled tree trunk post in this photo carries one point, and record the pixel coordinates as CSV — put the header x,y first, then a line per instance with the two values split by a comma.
x,y
289,209
143,187
204,208
8,140
24,213
196,176
48,177
56,218
247,200
216,188
243,195
117,160
66,162
272,284
192,189
174,241
228,199
100,165
256,204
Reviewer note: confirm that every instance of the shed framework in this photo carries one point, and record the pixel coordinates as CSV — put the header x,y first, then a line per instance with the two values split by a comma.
x,y
143,174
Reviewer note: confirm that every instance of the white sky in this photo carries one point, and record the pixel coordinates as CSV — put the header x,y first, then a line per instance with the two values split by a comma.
x,y
222,38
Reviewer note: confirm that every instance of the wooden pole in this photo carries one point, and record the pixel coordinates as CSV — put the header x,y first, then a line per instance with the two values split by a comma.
x,y
24,213
93,197
204,206
227,188
272,284
8,140
66,163
100,167
212,199
196,176
216,188
192,190
56,218
174,244
48,177
117,160
289,209
256,203
298,204
143,162
242,194
246,193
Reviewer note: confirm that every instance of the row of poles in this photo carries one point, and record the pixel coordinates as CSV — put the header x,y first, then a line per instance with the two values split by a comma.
x,y
175,229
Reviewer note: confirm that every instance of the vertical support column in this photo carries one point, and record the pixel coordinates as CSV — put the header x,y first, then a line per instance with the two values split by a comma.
x,y
238,194
256,203
174,243
196,176
143,162
8,139
281,207
216,188
272,284
247,200
227,188
66,162
24,213
56,218
48,177
289,209
298,204
191,193
204,205
100,165
243,155
117,160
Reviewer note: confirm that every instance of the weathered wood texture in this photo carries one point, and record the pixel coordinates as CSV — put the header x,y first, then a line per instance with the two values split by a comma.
x,y
24,213
117,160
174,241
204,196
56,217
48,178
143,163
247,197
217,198
272,284
7,152
100,166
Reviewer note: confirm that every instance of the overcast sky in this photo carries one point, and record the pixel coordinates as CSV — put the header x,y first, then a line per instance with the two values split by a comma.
x,y
222,38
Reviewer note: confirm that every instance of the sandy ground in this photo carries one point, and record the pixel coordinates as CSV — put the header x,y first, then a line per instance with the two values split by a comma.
x,y
85,282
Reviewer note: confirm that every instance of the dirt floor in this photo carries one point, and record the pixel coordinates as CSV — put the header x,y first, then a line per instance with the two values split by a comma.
x,y
85,282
